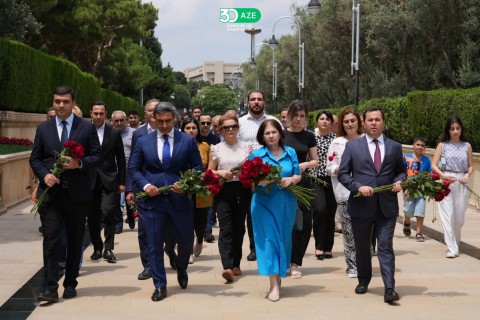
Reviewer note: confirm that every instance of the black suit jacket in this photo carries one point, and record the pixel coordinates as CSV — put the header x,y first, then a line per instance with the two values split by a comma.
x,y
47,145
357,169
112,171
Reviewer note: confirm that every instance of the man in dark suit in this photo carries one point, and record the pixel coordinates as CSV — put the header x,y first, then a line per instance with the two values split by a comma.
x,y
68,199
149,127
108,182
157,160
368,162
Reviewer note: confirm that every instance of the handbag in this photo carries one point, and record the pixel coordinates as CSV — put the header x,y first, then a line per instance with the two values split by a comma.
x,y
442,164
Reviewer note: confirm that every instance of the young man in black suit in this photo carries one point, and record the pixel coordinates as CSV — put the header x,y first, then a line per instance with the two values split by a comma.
x,y
108,182
68,199
368,162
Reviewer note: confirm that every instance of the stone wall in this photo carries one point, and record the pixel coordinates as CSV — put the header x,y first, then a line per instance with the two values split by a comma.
x,y
20,125
15,177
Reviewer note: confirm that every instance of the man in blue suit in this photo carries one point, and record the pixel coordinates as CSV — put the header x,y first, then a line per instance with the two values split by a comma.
x,y
368,162
157,160
150,126
68,199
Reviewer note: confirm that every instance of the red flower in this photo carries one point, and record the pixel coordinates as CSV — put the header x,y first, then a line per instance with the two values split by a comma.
x,y
266,168
257,161
69,144
446,183
78,151
439,197
446,192
435,175
330,158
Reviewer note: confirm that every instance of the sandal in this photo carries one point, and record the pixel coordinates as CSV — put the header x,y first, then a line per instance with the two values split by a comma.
x,y
420,237
406,229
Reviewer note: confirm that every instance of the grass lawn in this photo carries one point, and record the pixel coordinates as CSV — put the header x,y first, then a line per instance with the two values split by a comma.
x,y
11,148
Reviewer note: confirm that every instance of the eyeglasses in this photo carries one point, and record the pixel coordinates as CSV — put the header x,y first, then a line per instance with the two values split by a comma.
x,y
232,127
205,123
119,120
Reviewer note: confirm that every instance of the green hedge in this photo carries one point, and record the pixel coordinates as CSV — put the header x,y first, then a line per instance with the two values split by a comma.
x,y
29,76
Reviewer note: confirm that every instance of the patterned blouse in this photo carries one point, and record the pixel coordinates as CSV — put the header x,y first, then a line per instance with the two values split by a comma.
x,y
323,142
456,154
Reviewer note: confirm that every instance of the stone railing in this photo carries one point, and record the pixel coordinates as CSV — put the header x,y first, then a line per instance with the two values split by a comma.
x,y
20,125
15,177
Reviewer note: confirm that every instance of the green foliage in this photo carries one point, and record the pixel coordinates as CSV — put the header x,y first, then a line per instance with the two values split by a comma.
x,y
181,96
7,148
17,20
28,77
216,99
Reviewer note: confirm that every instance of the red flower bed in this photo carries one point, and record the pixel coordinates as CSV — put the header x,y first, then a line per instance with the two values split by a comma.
x,y
16,141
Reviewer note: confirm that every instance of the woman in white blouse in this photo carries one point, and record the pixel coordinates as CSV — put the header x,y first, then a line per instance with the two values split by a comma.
x,y
349,129
233,201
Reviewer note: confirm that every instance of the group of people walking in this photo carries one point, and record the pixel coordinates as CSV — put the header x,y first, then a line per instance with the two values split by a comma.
x,y
336,166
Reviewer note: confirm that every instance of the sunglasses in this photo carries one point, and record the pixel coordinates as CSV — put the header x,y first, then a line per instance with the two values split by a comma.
x,y
205,123
233,127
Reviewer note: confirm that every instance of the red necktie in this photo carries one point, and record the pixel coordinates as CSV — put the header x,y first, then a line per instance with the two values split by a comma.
x,y
377,158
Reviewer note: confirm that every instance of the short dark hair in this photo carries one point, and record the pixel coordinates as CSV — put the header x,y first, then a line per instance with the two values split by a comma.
x,y
261,131
420,138
164,107
134,112
256,91
205,115
327,113
63,90
98,103
196,107
372,109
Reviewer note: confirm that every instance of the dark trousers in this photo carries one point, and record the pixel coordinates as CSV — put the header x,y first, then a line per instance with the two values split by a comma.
x,y
362,228
200,216
233,202
301,238
142,239
249,225
103,208
156,222
53,215
324,209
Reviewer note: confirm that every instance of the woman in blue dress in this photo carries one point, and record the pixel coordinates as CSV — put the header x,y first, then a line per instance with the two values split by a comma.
x,y
273,212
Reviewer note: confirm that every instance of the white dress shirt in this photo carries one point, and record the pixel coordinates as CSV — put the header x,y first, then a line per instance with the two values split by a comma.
x,y
60,126
372,146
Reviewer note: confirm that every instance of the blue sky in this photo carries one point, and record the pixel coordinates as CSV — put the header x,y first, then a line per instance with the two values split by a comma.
x,y
190,31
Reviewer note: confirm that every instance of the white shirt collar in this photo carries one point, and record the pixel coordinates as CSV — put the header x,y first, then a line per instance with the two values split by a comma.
x,y
69,120
370,139
170,134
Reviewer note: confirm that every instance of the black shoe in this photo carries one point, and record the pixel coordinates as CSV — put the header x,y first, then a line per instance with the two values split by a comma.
x,y
182,277
159,294
172,258
390,296
252,256
109,256
320,256
47,296
361,288
131,224
328,256
118,231
209,238
69,293
145,274
97,254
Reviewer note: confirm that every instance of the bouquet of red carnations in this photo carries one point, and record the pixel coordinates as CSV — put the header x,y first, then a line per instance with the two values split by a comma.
x,y
423,184
254,171
193,182
71,149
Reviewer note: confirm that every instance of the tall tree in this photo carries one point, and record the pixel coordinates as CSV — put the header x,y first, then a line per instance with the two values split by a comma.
x,y
17,20
216,99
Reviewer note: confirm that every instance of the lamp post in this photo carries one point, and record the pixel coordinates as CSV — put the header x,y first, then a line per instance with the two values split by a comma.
x,y
355,62
301,54
252,32
231,75
253,65
313,6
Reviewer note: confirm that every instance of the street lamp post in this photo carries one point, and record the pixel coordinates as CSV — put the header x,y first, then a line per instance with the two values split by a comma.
x,y
355,62
252,32
301,54
274,71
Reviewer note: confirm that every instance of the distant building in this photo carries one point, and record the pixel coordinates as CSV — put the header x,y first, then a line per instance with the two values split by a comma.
x,y
216,72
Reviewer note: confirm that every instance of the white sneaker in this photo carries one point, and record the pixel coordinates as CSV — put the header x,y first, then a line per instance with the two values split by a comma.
x,y
352,274
190,261
450,255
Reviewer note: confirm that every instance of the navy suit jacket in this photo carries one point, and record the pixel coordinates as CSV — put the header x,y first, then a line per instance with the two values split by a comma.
x,y
145,167
112,171
357,169
140,132
47,145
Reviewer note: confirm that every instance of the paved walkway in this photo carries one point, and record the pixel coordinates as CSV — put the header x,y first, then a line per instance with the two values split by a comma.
x,y
430,286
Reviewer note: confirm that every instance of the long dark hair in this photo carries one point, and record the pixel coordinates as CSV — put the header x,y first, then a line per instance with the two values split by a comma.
x,y
195,122
446,131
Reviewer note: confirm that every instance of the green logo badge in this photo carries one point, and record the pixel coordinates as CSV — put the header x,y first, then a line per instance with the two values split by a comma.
x,y
239,15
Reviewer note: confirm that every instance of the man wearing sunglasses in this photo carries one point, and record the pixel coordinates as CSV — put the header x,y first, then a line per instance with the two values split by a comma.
x,y
206,133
